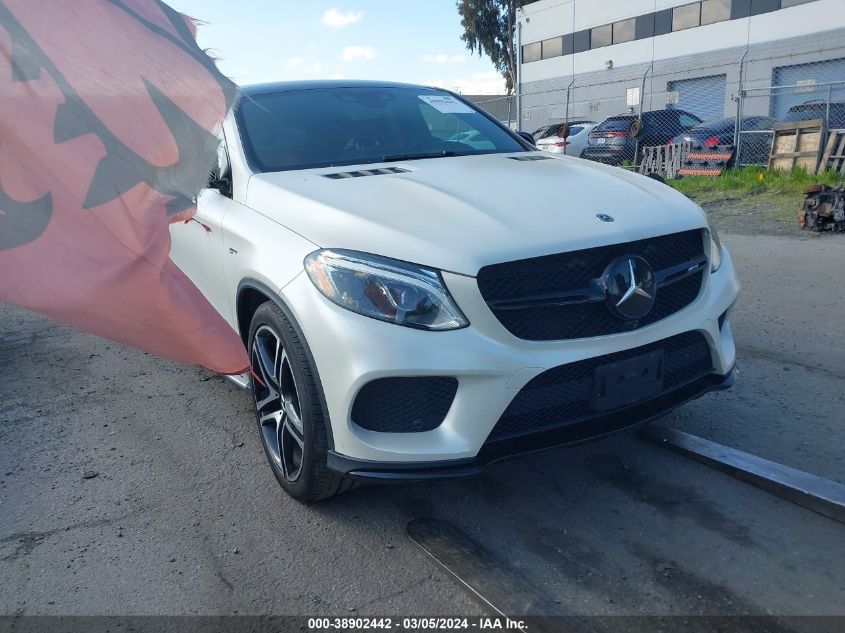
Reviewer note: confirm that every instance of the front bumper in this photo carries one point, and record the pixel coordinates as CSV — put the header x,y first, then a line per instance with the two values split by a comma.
x,y
491,452
490,365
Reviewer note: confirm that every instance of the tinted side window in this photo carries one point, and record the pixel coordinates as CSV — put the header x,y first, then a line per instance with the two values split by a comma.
x,y
689,121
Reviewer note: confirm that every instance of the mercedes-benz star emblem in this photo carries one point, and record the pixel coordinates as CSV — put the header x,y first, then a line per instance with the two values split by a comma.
x,y
604,217
630,287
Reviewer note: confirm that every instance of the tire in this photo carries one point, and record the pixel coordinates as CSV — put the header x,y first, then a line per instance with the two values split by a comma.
x,y
290,408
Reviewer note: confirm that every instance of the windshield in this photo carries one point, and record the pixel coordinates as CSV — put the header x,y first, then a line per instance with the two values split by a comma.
x,y
615,124
324,127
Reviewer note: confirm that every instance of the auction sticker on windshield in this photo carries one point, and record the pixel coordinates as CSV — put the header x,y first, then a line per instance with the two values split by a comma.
x,y
446,104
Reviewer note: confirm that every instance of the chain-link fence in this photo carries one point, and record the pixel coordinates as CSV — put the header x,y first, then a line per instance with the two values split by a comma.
x,y
725,105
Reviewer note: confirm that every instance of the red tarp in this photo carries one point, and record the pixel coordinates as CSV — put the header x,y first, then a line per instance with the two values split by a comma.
x,y
106,113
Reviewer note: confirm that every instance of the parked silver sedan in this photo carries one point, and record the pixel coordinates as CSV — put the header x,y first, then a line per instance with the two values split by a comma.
x,y
558,140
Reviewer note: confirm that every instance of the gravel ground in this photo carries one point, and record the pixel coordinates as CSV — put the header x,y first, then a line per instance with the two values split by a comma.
x,y
132,485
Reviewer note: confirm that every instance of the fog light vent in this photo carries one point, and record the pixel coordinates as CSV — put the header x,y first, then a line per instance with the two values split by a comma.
x,y
404,405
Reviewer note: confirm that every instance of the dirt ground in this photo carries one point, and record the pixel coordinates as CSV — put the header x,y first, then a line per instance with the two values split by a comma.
x,y
762,214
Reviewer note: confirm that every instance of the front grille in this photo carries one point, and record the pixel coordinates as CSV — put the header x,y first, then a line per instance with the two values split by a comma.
x,y
404,405
563,395
563,272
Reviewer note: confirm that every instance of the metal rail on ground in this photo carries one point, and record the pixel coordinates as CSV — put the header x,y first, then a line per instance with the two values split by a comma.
x,y
810,491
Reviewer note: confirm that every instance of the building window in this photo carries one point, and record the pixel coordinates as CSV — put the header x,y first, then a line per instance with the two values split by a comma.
x,y
532,52
740,9
645,26
686,17
663,22
582,41
713,11
764,6
624,31
649,25
601,36
553,47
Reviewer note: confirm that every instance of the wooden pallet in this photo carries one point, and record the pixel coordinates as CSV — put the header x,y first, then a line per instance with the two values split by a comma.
x,y
833,158
707,161
664,160
797,144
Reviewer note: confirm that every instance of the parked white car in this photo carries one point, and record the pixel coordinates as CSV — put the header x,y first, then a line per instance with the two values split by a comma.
x,y
417,307
558,140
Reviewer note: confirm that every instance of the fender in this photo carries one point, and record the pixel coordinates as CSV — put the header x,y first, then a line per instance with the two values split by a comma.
x,y
272,295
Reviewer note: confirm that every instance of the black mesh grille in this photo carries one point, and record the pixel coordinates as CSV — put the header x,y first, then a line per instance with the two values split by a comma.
x,y
573,270
404,405
563,395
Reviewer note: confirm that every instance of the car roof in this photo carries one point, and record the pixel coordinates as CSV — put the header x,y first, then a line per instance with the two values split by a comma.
x,y
323,84
809,105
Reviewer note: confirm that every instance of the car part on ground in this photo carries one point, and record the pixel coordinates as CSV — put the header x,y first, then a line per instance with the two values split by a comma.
x,y
824,209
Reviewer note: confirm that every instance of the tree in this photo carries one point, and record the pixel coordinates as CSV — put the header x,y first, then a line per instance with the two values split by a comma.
x,y
489,27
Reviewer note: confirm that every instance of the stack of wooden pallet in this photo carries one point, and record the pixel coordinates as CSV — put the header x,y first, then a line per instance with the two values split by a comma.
x,y
797,144
665,160
833,158
707,161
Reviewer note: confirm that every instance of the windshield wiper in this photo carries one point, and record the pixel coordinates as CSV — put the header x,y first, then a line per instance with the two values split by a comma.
x,y
398,157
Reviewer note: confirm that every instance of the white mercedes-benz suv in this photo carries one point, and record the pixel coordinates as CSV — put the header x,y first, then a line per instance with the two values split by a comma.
x,y
417,307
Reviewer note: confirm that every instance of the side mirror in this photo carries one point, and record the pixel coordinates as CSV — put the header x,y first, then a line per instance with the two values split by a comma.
x,y
528,137
222,184
220,177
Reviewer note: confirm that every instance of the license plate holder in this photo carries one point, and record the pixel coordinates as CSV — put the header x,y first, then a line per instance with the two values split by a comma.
x,y
627,381
601,141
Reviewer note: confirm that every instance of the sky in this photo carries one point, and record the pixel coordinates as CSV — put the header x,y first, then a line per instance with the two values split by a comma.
x,y
415,41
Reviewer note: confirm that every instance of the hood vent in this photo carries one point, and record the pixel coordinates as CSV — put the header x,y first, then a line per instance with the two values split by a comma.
x,y
381,171
530,158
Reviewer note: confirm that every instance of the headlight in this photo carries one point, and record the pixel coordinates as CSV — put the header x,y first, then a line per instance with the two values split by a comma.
x,y
715,250
385,289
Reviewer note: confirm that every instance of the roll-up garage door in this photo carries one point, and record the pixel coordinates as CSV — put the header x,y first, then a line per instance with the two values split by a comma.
x,y
703,96
807,82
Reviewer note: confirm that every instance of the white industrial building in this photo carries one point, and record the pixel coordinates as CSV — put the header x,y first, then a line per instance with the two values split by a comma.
x,y
589,59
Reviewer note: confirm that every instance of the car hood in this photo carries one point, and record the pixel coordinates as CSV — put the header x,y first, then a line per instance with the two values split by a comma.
x,y
462,213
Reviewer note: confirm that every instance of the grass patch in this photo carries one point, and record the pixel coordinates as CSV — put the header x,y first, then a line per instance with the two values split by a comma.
x,y
751,199
752,181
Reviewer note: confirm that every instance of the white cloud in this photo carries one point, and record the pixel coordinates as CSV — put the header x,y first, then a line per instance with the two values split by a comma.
x,y
444,59
351,53
337,76
489,83
337,20
303,64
